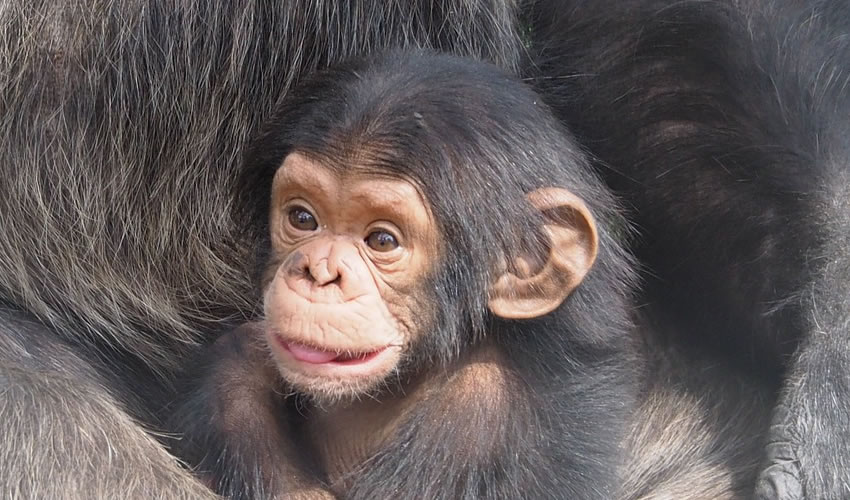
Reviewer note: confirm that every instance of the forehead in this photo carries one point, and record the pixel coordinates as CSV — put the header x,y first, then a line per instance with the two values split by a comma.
x,y
349,186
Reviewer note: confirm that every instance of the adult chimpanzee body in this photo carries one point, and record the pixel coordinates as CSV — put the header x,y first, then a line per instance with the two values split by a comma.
x,y
725,126
424,267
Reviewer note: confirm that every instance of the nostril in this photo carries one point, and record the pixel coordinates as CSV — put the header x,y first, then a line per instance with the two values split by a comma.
x,y
300,272
322,274
336,281
298,266
305,273
326,280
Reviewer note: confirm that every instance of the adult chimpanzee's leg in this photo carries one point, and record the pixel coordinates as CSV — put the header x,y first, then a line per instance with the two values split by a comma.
x,y
808,455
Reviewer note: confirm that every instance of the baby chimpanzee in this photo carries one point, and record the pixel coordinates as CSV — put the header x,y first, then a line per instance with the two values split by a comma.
x,y
432,327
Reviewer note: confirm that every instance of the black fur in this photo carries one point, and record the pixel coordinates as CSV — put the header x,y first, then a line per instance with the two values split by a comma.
x,y
725,125
475,140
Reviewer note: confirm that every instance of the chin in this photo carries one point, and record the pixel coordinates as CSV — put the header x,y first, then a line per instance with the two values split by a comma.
x,y
323,391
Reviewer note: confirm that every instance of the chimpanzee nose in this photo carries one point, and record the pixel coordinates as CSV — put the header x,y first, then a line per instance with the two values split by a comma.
x,y
322,272
322,261
315,262
329,269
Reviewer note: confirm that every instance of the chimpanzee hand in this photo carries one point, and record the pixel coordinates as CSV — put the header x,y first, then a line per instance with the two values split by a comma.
x,y
235,423
808,449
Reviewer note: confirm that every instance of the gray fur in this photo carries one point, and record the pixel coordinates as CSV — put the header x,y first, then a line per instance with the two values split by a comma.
x,y
64,436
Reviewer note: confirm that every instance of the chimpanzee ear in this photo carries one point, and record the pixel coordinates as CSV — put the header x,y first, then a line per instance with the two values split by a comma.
x,y
540,277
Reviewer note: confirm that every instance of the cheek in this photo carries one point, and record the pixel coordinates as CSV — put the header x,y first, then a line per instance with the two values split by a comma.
x,y
271,291
410,293
412,308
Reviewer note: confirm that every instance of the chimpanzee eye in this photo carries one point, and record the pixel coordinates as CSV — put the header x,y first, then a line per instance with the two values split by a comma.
x,y
382,241
300,218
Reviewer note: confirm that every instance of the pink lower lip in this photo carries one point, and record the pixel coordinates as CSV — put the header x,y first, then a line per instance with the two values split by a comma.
x,y
314,356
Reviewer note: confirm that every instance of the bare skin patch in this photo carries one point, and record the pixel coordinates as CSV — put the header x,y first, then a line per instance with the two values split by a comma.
x,y
352,251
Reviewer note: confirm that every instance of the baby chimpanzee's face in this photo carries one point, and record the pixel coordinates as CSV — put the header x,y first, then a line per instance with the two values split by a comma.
x,y
343,295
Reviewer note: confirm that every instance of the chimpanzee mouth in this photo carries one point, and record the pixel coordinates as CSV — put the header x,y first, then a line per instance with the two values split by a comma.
x,y
316,356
